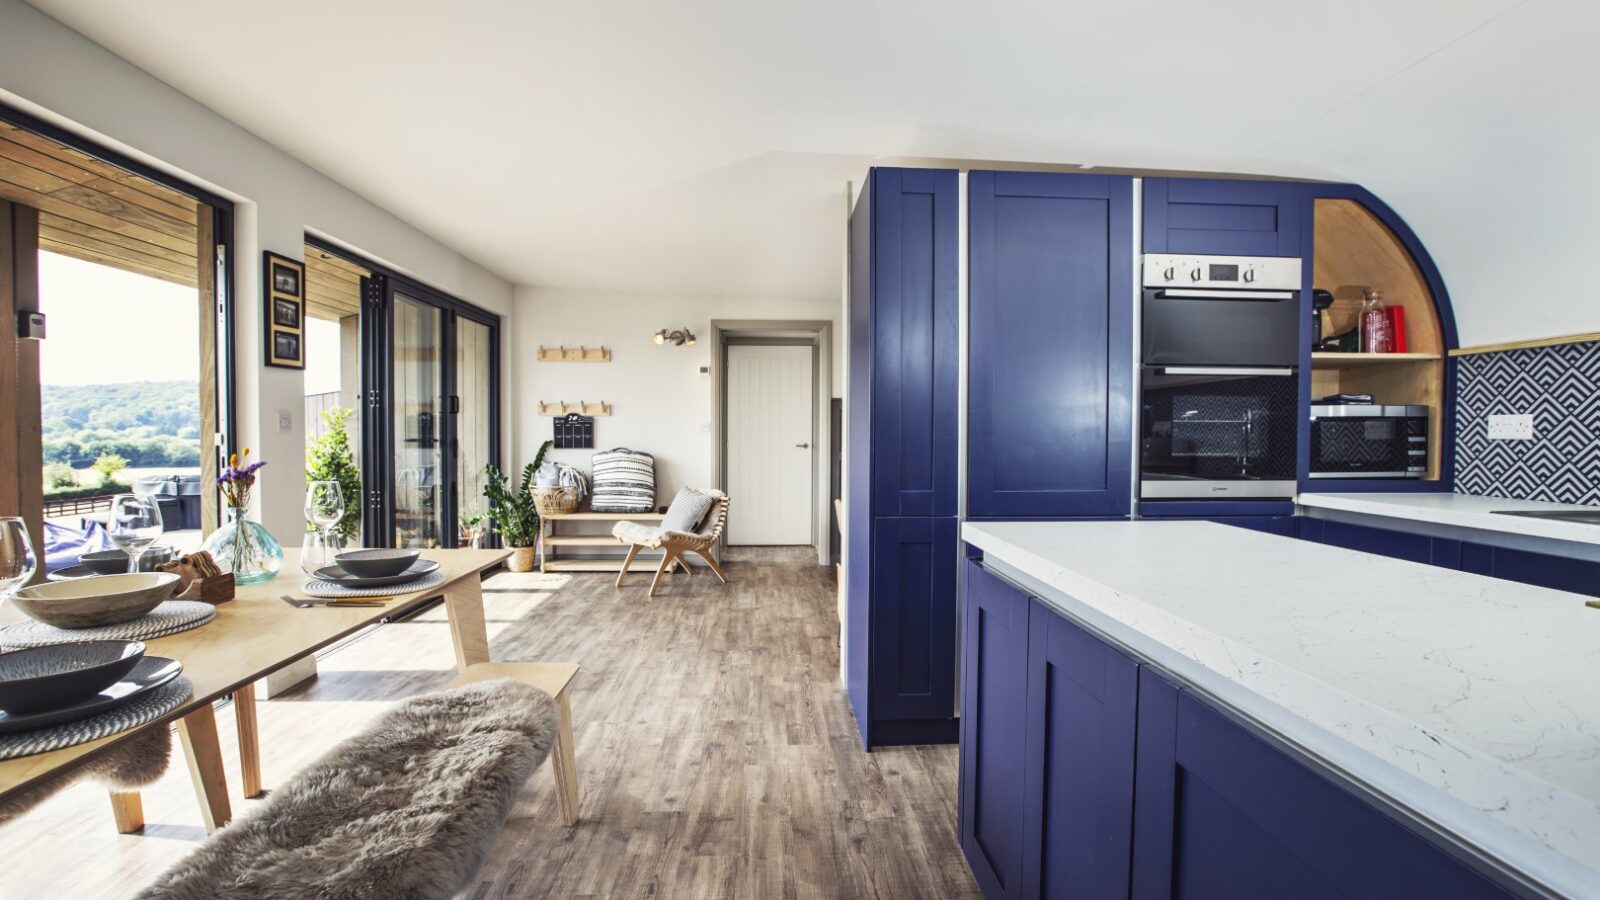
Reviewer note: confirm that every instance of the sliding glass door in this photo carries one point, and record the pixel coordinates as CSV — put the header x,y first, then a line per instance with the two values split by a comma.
x,y
431,375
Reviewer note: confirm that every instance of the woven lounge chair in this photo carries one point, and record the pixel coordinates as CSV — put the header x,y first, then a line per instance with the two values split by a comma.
x,y
674,544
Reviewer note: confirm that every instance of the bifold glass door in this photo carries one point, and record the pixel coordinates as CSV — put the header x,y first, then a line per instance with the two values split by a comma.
x,y
432,376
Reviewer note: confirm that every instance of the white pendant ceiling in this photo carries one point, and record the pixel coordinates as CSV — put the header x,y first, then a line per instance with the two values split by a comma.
x,y
701,147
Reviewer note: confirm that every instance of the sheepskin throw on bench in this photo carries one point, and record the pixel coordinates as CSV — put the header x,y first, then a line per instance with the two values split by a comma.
x,y
407,808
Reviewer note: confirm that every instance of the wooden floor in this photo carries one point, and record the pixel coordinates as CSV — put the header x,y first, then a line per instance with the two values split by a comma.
x,y
717,754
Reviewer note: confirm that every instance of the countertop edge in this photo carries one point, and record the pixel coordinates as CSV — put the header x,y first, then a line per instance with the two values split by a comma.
x,y
1151,633
1394,506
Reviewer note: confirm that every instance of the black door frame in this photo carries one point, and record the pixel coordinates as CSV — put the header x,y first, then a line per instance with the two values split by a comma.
x,y
225,393
377,383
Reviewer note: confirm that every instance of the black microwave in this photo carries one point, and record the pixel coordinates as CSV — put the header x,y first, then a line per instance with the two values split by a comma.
x,y
1365,440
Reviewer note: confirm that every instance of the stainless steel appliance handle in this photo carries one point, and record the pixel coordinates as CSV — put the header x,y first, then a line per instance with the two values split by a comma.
x,y
1226,370
1182,294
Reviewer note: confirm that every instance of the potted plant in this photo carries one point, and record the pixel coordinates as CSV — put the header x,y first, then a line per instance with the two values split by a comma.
x,y
513,513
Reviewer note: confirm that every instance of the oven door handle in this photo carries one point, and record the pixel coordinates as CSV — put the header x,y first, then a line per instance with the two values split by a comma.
x,y
1185,294
1272,371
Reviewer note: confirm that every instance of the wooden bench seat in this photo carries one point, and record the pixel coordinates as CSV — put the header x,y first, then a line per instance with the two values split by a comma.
x,y
552,678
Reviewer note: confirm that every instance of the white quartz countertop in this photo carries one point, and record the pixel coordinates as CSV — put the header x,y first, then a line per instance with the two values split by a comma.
x,y
1462,511
1471,701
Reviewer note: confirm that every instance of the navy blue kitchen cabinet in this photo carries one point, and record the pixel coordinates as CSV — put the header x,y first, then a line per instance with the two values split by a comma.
x,y
915,266
1079,766
1223,218
1221,813
914,572
1580,576
1050,344
902,564
1444,552
994,684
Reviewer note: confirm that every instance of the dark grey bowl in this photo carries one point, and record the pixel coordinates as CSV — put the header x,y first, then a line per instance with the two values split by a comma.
x,y
376,563
115,562
44,678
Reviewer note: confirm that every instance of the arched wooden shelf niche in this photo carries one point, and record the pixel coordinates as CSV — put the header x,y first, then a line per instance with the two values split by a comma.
x,y
1353,251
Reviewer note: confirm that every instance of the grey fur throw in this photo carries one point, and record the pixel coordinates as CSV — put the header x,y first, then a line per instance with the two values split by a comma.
x,y
135,762
407,808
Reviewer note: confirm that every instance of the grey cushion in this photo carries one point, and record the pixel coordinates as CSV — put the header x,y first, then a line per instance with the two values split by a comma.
x,y
686,511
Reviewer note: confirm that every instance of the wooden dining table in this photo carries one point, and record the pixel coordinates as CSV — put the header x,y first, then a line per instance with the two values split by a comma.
x,y
252,636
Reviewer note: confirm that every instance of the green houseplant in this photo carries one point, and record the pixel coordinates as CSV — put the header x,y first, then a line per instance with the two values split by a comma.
x,y
330,458
513,513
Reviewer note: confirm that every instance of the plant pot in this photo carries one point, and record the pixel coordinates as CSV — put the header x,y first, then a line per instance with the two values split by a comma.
x,y
521,559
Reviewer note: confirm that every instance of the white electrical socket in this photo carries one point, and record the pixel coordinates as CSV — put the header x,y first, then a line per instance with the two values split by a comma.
x,y
285,421
1511,428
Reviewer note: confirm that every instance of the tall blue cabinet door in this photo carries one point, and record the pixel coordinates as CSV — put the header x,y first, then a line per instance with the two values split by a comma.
x,y
1050,370
914,570
1222,218
1078,794
915,253
1221,813
994,677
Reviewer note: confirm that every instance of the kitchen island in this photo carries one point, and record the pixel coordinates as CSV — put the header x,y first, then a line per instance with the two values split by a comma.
x,y
1373,696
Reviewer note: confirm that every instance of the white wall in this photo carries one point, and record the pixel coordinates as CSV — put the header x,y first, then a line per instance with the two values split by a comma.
x,y
661,403
55,73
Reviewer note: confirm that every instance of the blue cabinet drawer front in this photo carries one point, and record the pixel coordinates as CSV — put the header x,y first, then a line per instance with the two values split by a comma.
x,y
1082,702
1050,365
914,570
1389,542
994,684
1580,576
914,341
1222,813
1224,218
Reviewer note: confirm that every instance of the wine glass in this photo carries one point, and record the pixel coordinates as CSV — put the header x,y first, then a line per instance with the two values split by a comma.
x,y
133,524
17,562
324,509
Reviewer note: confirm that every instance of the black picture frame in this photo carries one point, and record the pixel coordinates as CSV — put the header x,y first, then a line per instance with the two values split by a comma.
x,y
283,310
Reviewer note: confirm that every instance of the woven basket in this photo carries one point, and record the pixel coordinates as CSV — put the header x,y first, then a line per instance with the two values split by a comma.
x,y
555,501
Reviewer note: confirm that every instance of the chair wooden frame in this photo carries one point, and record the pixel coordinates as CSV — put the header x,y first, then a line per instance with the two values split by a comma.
x,y
675,544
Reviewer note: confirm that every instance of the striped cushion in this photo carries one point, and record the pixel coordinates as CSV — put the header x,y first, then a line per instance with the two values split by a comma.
x,y
624,482
686,511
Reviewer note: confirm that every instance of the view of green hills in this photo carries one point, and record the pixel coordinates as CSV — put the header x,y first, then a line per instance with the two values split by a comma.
x,y
148,423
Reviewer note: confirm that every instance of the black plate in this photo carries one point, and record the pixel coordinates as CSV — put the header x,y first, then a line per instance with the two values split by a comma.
x,y
339,576
151,672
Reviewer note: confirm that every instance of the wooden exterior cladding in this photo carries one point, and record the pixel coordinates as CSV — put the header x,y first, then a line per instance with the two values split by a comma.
x,y
1352,252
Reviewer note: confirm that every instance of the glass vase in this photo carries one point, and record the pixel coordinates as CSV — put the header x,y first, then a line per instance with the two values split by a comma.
x,y
246,549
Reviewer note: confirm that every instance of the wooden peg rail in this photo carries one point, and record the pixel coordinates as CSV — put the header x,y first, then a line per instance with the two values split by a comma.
x,y
582,408
574,354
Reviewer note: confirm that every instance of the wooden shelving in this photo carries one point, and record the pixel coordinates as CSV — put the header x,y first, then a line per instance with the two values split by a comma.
x,y
1362,360
1354,251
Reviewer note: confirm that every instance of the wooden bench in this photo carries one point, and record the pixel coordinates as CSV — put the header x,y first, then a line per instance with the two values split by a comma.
x,y
552,678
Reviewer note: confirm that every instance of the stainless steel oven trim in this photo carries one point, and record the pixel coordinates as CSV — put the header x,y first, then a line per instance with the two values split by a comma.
x,y
1222,294
1164,489
1266,371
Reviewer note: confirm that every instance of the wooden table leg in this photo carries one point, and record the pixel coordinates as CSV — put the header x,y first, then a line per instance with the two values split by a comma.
x,y
198,732
463,602
244,717
129,811
564,764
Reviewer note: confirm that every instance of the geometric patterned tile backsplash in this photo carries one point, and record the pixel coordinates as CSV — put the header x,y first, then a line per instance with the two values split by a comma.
x,y
1560,386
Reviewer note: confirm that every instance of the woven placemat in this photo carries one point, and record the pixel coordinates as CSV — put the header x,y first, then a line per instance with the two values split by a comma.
x,y
138,711
328,590
170,617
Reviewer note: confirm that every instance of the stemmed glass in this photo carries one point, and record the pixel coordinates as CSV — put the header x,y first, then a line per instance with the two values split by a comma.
x,y
133,524
324,509
17,562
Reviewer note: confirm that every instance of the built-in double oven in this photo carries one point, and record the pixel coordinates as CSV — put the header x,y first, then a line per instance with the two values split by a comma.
x,y
1219,396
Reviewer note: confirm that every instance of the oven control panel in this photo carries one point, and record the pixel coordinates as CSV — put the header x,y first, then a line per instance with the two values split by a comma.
x,y
1251,272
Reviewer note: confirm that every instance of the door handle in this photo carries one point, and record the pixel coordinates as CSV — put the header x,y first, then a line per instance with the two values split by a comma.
x,y
803,446
1275,371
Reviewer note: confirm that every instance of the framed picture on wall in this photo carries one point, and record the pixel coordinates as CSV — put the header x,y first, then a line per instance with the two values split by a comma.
x,y
285,310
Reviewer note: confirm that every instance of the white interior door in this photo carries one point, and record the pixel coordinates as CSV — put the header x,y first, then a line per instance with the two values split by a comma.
x,y
769,445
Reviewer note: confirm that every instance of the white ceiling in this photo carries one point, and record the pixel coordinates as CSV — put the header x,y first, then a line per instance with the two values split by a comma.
x,y
701,146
